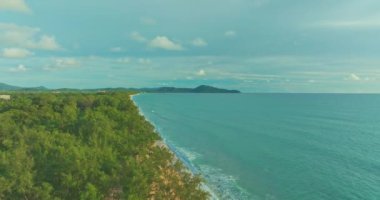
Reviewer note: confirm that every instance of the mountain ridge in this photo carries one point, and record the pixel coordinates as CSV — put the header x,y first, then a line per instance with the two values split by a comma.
x,y
199,89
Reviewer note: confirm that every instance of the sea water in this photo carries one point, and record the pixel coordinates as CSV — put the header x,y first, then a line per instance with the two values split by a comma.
x,y
274,146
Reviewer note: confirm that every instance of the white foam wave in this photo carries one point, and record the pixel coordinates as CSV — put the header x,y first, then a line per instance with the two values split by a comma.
x,y
190,155
219,185
224,185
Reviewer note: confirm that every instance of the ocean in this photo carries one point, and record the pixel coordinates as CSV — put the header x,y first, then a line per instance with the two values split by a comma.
x,y
274,146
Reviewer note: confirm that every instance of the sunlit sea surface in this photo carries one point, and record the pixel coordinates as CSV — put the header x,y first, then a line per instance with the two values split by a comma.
x,y
274,146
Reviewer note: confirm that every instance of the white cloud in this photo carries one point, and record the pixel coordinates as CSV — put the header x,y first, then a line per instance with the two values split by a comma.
x,y
46,43
16,53
358,24
14,5
199,42
116,49
163,42
20,68
26,37
62,63
136,36
201,72
144,61
354,77
248,76
230,33
159,42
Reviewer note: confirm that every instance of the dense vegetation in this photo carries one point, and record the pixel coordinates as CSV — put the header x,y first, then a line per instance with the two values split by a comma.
x,y
85,146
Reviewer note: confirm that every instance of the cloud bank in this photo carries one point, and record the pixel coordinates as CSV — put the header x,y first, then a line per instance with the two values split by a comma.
x,y
26,37
14,5
15,53
162,42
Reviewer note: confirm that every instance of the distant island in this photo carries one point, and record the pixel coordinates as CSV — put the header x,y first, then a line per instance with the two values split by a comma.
x,y
199,89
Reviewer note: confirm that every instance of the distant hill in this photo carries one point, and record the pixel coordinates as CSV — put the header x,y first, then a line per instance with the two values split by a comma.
x,y
199,89
4,86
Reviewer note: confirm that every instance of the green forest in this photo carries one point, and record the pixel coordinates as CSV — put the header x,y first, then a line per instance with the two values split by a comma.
x,y
86,146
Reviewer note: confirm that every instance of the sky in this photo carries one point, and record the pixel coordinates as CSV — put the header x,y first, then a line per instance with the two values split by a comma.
x,y
250,45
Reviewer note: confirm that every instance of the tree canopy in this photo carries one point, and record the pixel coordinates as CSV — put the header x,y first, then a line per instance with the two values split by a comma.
x,y
85,146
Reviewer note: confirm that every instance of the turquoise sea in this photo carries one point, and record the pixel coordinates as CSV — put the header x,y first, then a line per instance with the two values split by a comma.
x,y
274,146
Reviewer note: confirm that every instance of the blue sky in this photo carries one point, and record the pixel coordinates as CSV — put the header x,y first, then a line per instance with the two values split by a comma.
x,y
251,45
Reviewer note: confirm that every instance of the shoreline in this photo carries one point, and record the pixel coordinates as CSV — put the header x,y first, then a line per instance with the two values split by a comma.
x,y
183,159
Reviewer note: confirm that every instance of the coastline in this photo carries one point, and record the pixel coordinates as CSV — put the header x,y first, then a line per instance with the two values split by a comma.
x,y
183,159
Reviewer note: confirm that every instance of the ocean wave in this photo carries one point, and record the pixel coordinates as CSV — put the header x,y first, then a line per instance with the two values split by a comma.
x,y
218,184
224,185
188,157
